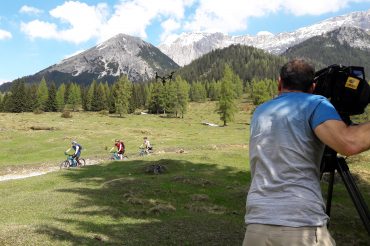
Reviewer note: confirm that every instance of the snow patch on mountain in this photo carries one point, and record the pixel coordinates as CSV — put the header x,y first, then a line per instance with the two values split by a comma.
x,y
189,46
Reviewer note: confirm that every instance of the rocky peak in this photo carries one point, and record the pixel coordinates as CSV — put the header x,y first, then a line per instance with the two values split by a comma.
x,y
120,55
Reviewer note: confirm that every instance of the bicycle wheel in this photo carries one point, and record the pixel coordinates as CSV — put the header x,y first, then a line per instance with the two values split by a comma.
x,y
64,164
82,162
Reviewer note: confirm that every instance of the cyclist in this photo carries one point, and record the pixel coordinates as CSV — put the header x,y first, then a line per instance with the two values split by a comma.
x,y
146,146
120,148
77,151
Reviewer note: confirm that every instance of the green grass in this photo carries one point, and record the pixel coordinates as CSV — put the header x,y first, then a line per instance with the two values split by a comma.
x,y
200,200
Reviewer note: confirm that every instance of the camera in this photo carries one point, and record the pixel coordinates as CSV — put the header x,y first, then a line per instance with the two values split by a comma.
x,y
349,92
345,87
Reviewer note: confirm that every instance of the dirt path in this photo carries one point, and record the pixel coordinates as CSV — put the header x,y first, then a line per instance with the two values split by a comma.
x,y
32,172
27,173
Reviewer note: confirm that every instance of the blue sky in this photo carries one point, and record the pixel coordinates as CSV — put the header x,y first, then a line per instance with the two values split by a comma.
x,y
35,34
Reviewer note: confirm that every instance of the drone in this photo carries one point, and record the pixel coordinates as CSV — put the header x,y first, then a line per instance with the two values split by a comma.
x,y
164,78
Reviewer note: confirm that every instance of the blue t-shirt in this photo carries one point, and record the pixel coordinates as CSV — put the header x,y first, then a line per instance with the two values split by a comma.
x,y
285,157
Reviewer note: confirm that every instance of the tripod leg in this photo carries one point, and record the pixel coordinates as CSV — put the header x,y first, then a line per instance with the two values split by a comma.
x,y
354,192
330,192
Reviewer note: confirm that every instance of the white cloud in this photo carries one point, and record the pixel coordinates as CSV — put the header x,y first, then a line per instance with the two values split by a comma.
x,y
134,16
5,34
77,22
232,15
82,22
169,26
25,9
315,7
40,29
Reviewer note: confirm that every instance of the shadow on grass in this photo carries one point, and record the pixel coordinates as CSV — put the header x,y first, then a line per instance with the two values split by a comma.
x,y
121,204
191,204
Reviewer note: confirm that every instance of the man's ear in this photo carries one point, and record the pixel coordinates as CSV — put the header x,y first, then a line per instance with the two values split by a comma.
x,y
280,85
312,88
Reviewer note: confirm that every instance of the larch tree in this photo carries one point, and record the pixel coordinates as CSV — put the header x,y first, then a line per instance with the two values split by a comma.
x,y
74,96
90,95
122,93
182,91
59,97
226,104
42,95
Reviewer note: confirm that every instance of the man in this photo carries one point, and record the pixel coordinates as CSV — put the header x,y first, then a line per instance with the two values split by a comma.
x,y
77,151
120,148
146,145
287,140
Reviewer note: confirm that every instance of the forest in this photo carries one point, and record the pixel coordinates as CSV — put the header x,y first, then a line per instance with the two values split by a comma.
x,y
124,97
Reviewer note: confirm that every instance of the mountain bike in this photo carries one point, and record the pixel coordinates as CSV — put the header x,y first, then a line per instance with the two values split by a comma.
x,y
71,162
143,151
115,157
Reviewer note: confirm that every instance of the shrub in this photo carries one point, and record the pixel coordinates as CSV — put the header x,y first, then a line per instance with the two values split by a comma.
x,y
66,114
38,111
104,112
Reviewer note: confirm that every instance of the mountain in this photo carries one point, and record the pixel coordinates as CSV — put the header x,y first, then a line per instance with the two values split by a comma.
x,y
120,55
345,45
190,46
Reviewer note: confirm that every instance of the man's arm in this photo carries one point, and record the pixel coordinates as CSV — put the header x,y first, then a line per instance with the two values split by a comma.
x,y
346,140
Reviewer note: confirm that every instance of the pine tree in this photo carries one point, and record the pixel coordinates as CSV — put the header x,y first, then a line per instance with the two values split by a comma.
x,y
59,98
90,95
147,94
42,95
156,98
99,101
226,105
170,98
182,89
107,92
51,104
237,85
122,93
198,92
84,91
31,97
261,91
67,90
135,98
16,102
5,102
111,101
74,96
1,102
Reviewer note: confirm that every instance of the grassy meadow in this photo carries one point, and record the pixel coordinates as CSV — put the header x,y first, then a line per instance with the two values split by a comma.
x,y
199,200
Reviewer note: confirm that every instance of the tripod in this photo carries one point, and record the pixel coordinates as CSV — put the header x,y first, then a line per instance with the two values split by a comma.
x,y
332,162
